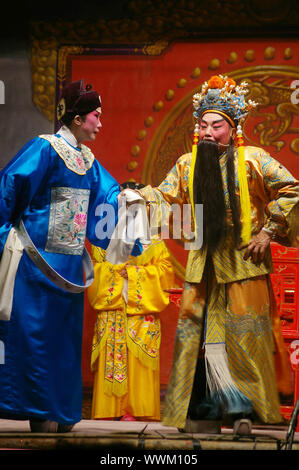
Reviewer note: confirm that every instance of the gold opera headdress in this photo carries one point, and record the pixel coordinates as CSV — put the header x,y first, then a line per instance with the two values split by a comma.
x,y
221,95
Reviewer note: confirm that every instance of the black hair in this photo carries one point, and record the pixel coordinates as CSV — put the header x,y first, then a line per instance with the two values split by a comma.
x,y
131,185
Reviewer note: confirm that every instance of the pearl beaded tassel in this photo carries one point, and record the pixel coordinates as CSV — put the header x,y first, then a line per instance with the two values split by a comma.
x,y
240,136
193,160
196,132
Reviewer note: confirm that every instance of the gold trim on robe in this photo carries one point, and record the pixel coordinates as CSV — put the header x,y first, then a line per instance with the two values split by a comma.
x,y
129,331
242,315
274,197
244,323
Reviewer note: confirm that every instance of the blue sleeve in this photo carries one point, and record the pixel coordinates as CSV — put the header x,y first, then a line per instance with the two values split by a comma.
x,y
103,206
137,248
19,181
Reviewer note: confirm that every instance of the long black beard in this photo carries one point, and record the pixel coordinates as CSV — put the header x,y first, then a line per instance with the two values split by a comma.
x,y
208,190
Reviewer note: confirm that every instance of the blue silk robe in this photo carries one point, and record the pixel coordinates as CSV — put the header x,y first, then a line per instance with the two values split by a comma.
x,y
55,188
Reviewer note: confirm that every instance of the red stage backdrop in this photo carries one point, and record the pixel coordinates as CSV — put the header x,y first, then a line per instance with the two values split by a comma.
x,y
147,118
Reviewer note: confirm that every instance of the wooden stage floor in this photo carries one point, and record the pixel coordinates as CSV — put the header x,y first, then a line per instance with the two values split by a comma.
x,y
107,437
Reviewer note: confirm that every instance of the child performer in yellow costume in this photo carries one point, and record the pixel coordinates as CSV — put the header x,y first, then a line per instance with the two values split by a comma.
x,y
125,355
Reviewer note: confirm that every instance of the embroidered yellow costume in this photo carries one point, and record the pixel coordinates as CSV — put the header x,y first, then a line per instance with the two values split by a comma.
x,y
232,318
125,352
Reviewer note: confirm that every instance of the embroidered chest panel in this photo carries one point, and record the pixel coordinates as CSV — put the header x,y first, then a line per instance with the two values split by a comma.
x,y
76,160
68,220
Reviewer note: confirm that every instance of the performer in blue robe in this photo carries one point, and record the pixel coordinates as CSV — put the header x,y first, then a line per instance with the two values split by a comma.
x,y
55,186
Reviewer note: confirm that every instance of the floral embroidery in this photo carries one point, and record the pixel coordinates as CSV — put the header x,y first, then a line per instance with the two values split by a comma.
x,y
80,221
80,163
112,330
68,220
112,284
76,160
145,332
126,330
149,318
116,349
138,289
256,323
100,330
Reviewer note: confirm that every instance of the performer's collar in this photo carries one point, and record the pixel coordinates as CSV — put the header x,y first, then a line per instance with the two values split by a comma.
x,y
66,133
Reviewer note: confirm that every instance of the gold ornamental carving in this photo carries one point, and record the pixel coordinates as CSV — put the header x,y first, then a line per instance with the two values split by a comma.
x,y
47,65
63,54
156,48
49,62
43,66
270,87
153,26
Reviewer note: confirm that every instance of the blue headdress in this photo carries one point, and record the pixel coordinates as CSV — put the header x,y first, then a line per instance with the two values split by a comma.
x,y
223,96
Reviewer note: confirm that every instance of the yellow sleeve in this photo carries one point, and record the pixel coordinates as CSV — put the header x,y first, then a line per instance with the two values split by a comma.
x,y
173,191
148,279
282,210
105,293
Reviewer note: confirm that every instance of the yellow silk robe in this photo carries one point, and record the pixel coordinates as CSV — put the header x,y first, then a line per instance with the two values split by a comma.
x,y
239,314
274,197
127,334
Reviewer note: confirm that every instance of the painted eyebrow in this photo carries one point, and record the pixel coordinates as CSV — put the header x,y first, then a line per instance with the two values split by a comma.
x,y
213,122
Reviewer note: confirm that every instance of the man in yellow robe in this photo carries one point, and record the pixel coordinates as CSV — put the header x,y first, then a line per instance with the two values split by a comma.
x,y
128,299
229,357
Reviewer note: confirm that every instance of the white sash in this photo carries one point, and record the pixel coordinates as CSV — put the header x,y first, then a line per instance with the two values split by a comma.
x,y
9,263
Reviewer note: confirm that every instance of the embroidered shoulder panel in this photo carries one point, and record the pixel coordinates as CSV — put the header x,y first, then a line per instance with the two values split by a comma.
x,y
78,161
